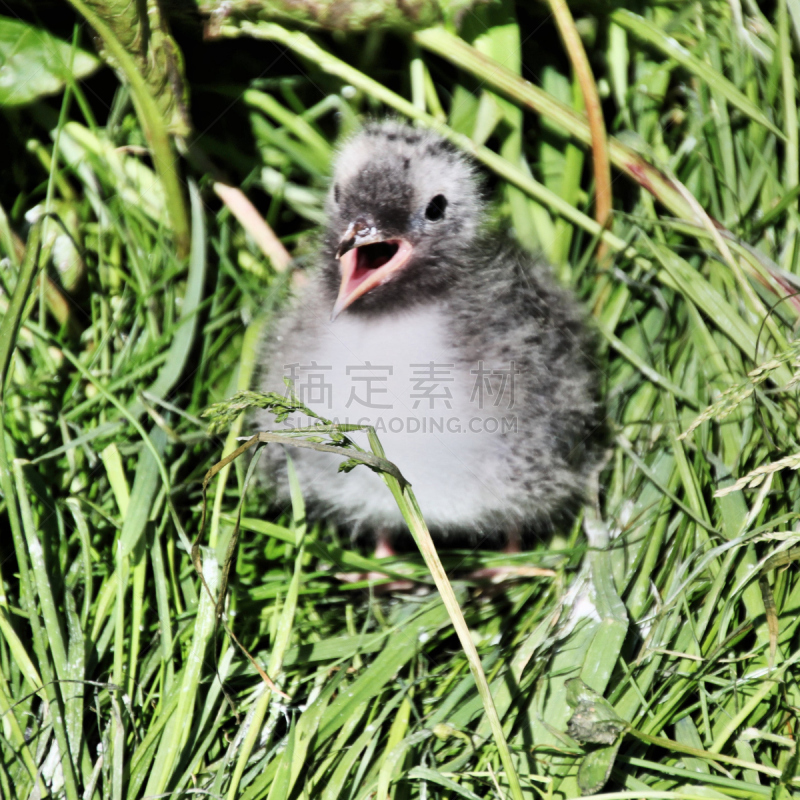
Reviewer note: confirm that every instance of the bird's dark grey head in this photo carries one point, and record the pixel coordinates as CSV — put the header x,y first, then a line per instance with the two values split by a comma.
x,y
404,210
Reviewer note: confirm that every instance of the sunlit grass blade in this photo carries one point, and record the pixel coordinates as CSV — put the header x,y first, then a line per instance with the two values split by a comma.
x,y
591,100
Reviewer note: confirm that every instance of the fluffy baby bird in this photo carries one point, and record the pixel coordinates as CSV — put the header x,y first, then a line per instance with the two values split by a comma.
x,y
474,367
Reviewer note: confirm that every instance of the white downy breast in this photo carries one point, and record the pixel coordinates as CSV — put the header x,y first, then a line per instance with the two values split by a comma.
x,y
400,374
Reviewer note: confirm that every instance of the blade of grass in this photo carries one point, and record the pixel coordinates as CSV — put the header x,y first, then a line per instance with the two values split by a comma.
x,y
789,90
178,727
594,113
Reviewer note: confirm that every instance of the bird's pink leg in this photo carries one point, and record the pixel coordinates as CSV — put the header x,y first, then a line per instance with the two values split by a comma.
x,y
514,543
383,545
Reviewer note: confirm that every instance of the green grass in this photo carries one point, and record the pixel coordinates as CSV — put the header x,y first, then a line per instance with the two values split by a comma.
x,y
115,681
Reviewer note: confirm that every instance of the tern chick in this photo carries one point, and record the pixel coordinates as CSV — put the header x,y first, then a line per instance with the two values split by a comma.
x,y
474,367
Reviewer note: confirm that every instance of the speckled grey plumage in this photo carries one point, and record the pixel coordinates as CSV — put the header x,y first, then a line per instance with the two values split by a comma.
x,y
468,297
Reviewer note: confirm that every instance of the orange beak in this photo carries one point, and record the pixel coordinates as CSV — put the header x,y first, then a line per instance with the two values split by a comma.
x,y
367,260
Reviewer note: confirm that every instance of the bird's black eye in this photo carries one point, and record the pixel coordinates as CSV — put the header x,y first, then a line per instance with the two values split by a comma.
x,y
336,192
436,208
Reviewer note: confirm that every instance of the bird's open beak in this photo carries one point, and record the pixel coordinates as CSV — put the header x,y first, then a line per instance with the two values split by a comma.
x,y
367,259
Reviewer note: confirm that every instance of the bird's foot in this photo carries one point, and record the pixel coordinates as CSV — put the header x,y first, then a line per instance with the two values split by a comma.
x,y
383,549
509,572
379,579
